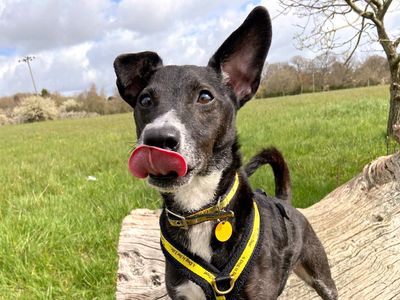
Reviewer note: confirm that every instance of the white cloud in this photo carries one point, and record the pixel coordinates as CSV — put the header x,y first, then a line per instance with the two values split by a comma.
x,y
188,40
75,42
151,16
37,25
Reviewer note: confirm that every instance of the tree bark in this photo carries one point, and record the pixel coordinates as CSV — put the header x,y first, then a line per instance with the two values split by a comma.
x,y
394,107
358,223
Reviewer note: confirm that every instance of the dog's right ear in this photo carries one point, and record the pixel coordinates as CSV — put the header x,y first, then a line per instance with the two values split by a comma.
x,y
133,72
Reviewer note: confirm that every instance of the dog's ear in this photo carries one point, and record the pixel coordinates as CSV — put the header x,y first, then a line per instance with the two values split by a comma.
x,y
240,59
133,72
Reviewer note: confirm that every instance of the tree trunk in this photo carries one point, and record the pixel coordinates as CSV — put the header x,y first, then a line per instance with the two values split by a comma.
x,y
358,223
394,107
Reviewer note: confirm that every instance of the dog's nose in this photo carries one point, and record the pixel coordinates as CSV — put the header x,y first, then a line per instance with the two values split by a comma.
x,y
165,137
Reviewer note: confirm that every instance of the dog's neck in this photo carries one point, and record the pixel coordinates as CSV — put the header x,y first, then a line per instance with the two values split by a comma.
x,y
205,191
200,192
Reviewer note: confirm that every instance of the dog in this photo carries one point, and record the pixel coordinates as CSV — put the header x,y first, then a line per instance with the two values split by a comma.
x,y
221,239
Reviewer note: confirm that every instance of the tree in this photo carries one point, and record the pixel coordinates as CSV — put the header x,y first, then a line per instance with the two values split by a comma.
x,y
374,70
340,76
45,93
321,66
300,64
366,18
281,79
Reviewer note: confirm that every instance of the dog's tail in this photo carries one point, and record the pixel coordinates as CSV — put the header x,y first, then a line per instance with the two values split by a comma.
x,y
275,159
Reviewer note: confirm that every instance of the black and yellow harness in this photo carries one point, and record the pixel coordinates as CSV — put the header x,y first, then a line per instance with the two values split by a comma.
x,y
227,282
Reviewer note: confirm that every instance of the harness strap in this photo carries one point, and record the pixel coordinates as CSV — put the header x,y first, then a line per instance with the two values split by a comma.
x,y
208,273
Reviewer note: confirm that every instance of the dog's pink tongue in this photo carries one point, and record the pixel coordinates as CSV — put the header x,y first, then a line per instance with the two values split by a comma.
x,y
149,160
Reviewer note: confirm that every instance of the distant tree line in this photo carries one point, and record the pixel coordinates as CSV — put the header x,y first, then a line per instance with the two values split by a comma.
x,y
323,73
27,107
299,75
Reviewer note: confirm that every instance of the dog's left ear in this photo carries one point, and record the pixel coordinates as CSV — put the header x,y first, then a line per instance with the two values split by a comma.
x,y
240,59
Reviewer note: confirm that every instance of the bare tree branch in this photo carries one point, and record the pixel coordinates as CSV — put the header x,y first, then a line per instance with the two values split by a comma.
x,y
376,3
357,42
373,5
353,5
385,8
364,13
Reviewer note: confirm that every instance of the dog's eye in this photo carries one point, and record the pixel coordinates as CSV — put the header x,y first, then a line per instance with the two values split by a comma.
x,y
145,100
205,97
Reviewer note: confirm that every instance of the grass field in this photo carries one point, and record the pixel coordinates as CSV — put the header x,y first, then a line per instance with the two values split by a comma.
x,y
59,231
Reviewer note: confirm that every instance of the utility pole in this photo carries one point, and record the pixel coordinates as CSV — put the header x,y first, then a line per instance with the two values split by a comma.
x,y
27,59
313,74
313,81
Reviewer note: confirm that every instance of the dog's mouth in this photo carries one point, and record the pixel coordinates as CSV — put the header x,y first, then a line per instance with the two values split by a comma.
x,y
169,176
170,182
157,163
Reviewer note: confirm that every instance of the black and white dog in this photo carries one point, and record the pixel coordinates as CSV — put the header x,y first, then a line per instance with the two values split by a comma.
x,y
188,150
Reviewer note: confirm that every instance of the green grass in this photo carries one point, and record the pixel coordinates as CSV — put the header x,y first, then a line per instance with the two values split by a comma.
x,y
59,231
326,138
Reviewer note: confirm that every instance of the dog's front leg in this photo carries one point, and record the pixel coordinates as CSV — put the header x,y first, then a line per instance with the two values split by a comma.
x,y
180,288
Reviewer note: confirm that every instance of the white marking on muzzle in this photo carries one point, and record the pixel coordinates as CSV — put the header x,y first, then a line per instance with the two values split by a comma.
x,y
171,119
168,119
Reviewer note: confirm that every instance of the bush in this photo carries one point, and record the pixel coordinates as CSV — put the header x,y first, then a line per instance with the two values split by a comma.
x,y
70,105
35,108
92,101
3,119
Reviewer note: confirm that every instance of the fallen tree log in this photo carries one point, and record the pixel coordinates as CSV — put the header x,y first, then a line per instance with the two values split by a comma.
x,y
358,223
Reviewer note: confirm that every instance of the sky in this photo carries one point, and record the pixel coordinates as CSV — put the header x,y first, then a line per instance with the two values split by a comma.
x,y
75,42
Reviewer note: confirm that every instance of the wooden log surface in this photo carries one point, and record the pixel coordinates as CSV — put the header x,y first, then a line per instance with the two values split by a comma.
x,y
358,223
141,262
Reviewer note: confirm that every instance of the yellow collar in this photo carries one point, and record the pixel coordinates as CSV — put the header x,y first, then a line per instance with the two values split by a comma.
x,y
203,274
215,212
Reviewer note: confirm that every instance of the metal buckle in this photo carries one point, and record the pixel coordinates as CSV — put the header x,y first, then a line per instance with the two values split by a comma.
x,y
182,220
215,282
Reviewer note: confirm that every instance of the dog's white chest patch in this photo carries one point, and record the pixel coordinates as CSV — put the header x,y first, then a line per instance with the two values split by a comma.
x,y
199,192
194,196
191,291
199,240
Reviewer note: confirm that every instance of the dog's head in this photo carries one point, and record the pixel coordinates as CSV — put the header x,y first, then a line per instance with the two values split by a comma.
x,y
191,110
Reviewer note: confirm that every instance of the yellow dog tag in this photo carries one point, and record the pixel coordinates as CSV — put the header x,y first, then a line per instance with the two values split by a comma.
x,y
223,231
